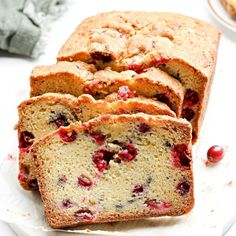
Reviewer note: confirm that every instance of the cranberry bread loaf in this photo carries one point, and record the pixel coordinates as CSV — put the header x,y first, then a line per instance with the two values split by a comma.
x,y
44,114
230,7
74,78
146,158
184,47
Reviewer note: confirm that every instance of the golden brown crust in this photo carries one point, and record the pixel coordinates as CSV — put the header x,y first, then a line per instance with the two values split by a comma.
x,y
153,82
62,220
140,36
230,7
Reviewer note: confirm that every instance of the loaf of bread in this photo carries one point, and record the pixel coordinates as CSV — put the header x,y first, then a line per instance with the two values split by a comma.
x,y
184,47
115,168
39,116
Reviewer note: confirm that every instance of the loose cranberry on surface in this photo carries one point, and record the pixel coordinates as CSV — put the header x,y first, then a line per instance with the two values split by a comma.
x,y
157,205
183,188
66,203
128,153
25,141
144,128
138,68
215,154
84,214
181,156
188,114
101,159
84,181
98,137
67,136
191,98
124,93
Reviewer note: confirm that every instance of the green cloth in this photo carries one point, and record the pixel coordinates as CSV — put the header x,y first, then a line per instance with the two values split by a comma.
x,y
22,22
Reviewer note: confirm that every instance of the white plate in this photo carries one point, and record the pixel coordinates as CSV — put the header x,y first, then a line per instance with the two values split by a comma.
x,y
219,12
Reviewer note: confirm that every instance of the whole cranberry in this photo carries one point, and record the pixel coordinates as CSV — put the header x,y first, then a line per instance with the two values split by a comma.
x,y
84,181
25,141
215,154
67,136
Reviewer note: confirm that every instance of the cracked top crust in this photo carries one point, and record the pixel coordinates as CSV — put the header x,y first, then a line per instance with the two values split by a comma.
x,y
126,38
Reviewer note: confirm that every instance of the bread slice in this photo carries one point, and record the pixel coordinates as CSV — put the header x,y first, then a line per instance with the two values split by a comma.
x,y
230,7
65,77
137,166
184,47
44,114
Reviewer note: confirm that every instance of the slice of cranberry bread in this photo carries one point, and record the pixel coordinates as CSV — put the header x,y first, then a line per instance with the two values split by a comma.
x,y
39,116
152,83
115,168
184,47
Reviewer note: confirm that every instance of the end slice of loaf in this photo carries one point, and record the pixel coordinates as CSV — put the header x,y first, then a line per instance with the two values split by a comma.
x,y
39,116
115,168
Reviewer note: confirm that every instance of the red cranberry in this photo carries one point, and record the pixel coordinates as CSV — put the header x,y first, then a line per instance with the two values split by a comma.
x,y
160,205
84,214
181,156
60,120
101,159
66,203
183,188
33,184
87,91
163,98
144,128
215,154
66,136
124,93
22,177
128,153
137,68
99,138
84,181
191,98
139,189
188,114
100,56
25,141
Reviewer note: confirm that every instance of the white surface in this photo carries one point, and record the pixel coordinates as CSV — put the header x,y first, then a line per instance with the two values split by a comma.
x,y
221,15
220,118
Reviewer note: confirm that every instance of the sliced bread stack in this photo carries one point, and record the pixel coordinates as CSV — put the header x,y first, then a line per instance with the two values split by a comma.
x,y
121,85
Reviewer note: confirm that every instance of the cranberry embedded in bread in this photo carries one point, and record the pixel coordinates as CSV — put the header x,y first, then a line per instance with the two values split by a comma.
x,y
44,114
